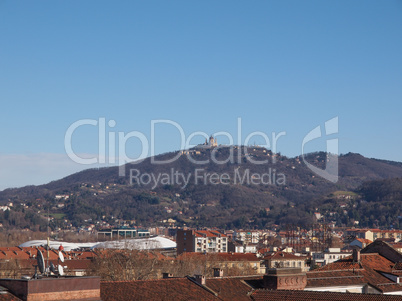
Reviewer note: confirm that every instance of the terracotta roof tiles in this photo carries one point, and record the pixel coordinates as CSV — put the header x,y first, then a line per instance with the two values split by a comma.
x,y
370,268
282,295
364,240
202,233
321,279
231,288
163,289
220,256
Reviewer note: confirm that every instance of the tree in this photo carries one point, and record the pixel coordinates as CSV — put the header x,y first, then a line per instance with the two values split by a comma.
x,y
120,265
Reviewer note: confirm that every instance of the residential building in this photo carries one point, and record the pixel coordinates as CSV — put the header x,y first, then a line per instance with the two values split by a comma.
x,y
397,246
247,236
375,269
282,259
360,242
201,241
328,256
277,284
235,247
230,263
373,234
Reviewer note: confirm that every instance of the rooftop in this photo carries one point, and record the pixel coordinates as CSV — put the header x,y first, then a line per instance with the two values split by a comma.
x,y
163,289
280,295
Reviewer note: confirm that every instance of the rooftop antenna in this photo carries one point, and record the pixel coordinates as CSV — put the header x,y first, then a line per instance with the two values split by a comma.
x,y
40,264
61,256
52,268
48,243
60,269
59,266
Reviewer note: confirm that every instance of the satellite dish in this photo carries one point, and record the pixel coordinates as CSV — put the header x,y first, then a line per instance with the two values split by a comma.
x,y
52,268
41,261
60,269
61,256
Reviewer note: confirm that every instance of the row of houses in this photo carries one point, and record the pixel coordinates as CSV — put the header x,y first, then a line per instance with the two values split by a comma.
x,y
373,234
374,273
368,273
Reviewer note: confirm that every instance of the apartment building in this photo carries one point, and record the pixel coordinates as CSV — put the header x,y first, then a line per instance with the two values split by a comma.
x,y
202,241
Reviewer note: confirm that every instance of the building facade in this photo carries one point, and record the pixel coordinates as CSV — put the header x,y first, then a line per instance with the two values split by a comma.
x,y
201,241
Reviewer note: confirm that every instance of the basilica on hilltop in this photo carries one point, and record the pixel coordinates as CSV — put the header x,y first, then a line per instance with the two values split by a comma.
x,y
212,142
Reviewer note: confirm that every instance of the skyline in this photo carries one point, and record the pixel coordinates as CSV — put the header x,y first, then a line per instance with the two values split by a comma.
x,y
280,67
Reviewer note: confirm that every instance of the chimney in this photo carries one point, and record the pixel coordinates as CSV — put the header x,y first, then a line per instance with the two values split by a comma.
x,y
218,272
200,279
356,255
167,275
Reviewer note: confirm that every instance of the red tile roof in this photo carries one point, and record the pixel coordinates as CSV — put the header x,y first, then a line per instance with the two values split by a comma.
x,y
71,265
371,267
8,254
22,253
363,240
206,233
282,295
163,289
333,278
220,256
398,266
231,288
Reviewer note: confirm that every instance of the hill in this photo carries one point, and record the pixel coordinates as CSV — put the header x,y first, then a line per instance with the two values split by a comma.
x,y
196,191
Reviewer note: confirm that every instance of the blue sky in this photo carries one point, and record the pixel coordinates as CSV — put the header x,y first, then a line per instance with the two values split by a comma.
x,y
280,66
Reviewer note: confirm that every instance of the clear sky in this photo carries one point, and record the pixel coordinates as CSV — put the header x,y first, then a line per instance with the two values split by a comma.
x,y
280,66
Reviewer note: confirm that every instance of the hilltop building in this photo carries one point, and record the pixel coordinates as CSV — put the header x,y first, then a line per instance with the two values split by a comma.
x,y
212,142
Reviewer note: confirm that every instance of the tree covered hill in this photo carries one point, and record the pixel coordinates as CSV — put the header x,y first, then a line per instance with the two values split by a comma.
x,y
235,193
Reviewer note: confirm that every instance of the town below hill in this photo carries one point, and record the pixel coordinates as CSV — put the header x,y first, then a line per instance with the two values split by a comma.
x,y
210,264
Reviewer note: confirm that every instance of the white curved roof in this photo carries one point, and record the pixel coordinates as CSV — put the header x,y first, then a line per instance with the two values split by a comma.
x,y
151,243
68,246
